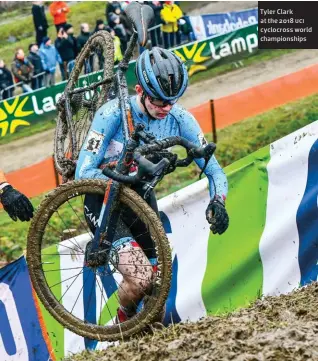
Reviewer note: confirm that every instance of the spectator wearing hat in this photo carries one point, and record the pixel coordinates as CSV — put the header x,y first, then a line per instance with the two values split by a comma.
x,y
112,7
67,48
22,70
49,57
58,10
35,60
39,20
5,81
117,7
100,25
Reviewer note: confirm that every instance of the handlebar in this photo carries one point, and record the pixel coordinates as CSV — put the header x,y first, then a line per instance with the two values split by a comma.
x,y
146,167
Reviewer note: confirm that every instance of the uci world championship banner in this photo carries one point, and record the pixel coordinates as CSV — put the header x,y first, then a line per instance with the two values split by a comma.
x,y
270,248
40,105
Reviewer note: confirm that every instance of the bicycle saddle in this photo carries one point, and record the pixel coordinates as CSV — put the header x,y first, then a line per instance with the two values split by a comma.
x,y
141,17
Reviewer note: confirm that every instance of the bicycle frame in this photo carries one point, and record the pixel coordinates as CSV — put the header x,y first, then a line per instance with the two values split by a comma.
x,y
103,229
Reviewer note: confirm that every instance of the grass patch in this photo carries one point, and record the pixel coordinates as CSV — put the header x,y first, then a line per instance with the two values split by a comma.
x,y
23,29
234,142
23,132
240,139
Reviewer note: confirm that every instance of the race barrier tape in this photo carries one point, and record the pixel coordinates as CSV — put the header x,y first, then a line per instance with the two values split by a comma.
x,y
270,248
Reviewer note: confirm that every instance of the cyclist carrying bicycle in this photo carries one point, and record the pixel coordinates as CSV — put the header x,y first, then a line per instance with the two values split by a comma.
x,y
16,204
162,80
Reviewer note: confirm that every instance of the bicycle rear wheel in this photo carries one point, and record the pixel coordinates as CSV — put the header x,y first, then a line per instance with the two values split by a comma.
x,y
60,277
73,122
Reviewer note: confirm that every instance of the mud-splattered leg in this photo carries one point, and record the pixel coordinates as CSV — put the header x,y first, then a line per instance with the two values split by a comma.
x,y
137,274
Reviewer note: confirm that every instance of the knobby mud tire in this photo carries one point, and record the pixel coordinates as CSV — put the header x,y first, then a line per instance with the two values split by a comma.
x,y
154,306
64,130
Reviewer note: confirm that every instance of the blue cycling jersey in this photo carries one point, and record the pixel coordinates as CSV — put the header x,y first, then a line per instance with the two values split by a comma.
x,y
105,141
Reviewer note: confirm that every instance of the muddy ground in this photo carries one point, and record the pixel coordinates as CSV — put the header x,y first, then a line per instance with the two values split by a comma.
x,y
274,329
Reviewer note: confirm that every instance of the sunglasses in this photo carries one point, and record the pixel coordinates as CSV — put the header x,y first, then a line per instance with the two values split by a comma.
x,y
161,103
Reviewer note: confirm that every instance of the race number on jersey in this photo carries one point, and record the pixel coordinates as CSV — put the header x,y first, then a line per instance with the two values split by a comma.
x,y
94,141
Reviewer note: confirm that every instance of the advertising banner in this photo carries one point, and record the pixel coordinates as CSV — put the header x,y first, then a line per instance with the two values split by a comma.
x,y
269,248
208,25
218,50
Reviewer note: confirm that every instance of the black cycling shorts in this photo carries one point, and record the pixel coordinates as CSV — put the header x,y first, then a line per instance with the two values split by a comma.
x,y
127,224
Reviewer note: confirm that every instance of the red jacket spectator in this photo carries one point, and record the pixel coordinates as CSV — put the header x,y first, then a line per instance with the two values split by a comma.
x,y
58,10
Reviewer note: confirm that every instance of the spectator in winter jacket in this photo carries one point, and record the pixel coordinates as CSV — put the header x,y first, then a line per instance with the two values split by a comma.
x,y
100,25
117,53
40,22
82,39
49,56
66,46
112,7
117,7
35,60
58,10
170,15
5,81
22,70
120,31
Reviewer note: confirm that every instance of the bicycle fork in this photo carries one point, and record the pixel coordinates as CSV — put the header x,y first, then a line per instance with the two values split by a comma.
x,y
98,250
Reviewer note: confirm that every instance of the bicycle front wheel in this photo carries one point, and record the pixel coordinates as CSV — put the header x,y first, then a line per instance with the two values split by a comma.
x,y
85,299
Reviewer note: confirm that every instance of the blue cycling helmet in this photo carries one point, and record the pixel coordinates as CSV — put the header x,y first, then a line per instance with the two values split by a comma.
x,y
161,74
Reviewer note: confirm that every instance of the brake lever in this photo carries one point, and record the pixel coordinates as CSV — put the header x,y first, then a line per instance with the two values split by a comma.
x,y
209,151
149,186
206,161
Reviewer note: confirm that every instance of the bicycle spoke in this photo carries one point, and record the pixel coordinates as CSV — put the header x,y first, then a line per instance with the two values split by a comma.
x,y
58,283
61,269
113,289
134,264
62,235
126,274
125,292
69,287
101,302
90,297
80,248
111,316
134,250
85,227
63,254
133,222
79,293
63,245
141,235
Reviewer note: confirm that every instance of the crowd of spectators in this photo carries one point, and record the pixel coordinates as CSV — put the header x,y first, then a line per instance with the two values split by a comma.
x,y
38,68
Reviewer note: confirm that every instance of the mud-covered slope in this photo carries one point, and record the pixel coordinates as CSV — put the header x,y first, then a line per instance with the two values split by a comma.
x,y
276,328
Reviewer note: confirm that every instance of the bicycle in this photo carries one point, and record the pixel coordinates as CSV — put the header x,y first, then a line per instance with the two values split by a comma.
x,y
97,257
